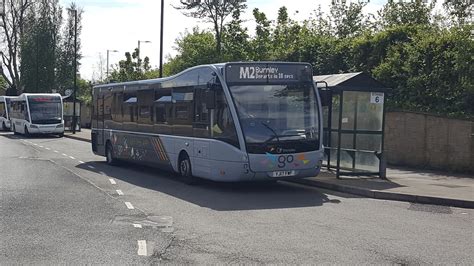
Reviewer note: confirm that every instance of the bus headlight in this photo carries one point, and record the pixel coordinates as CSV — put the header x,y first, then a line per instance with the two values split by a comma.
x,y
59,126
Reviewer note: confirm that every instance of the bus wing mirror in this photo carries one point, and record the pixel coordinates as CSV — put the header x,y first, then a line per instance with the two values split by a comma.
x,y
326,97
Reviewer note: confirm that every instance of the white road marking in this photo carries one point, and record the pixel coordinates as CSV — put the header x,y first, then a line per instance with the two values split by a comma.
x,y
137,225
142,248
119,192
41,146
129,205
91,167
64,154
112,181
48,149
81,162
72,157
35,144
56,151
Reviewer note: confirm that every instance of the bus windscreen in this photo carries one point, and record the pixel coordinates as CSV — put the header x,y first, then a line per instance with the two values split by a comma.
x,y
45,109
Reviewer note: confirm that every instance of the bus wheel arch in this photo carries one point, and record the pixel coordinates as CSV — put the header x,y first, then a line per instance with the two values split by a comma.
x,y
109,153
185,168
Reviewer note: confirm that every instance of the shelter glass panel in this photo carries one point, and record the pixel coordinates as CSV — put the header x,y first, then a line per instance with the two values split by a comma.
x,y
348,108
366,161
369,111
369,142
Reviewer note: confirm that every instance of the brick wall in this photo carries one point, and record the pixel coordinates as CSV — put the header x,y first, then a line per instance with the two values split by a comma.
x,y
427,141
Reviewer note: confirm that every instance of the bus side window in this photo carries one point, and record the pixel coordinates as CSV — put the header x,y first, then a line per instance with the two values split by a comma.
x,y
129,106
162,100
145,102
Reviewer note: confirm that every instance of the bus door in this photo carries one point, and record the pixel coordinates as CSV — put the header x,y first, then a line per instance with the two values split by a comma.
x,y
201,129
100,120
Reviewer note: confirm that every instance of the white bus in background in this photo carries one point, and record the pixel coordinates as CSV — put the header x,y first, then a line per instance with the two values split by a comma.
x,y
37,114
5,112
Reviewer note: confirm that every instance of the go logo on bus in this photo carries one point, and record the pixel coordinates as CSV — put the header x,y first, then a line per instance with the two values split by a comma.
x,y
283,160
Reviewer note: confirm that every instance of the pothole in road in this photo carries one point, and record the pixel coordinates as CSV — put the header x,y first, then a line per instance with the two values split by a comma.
x,y
164,223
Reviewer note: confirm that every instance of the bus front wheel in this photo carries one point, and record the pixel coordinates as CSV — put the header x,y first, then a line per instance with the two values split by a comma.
x,y
27,133
184,166
4,127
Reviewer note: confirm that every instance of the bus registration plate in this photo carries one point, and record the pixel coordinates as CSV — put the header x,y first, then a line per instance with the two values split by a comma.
x,y
283,173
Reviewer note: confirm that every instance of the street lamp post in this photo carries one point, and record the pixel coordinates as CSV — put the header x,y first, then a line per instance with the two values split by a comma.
x,y
107,71
161,37
138,52
75,72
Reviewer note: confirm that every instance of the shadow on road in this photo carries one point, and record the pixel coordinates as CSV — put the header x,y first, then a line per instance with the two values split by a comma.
x,y
217,195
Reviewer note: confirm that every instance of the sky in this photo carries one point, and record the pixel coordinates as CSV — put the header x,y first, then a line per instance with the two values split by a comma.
x,y
120,24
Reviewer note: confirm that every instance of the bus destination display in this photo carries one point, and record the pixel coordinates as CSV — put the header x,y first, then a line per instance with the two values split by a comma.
x,y
268,73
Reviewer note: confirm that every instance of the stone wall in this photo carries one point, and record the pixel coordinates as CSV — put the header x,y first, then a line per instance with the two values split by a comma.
x,y
427,141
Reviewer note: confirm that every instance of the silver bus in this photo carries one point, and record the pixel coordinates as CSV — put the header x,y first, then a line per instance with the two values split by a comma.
x,y
5,112
224,122
35,113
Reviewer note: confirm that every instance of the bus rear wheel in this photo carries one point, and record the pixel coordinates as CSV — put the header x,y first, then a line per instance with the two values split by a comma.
x,y
4,127
185,172
27,133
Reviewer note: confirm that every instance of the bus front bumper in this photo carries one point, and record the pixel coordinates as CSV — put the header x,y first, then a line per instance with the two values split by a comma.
x,y
237,171
46,129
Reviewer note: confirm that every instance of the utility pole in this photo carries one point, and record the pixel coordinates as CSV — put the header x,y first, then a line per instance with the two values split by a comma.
x,y
75,72
161,37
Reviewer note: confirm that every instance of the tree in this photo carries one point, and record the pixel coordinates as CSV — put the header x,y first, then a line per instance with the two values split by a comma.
x,y
65,50
236,40
460,11
3,86
348,20
406,13
261,42
285,38
39,44
130,68
100,69
215,11
13,21
195,48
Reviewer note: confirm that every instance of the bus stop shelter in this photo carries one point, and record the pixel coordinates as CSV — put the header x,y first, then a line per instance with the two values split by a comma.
x,y
353,120
68,110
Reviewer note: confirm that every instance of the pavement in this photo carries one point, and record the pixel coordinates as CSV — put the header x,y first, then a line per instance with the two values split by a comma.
x,y
409,185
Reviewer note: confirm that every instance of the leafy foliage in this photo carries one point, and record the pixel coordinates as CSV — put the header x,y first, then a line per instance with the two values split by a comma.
x,y
213,11
131,68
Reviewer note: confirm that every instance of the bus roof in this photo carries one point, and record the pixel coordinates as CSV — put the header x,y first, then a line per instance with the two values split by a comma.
x,y
218,66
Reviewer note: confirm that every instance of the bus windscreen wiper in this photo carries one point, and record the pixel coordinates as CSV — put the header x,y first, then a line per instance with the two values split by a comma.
x,y
275,135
